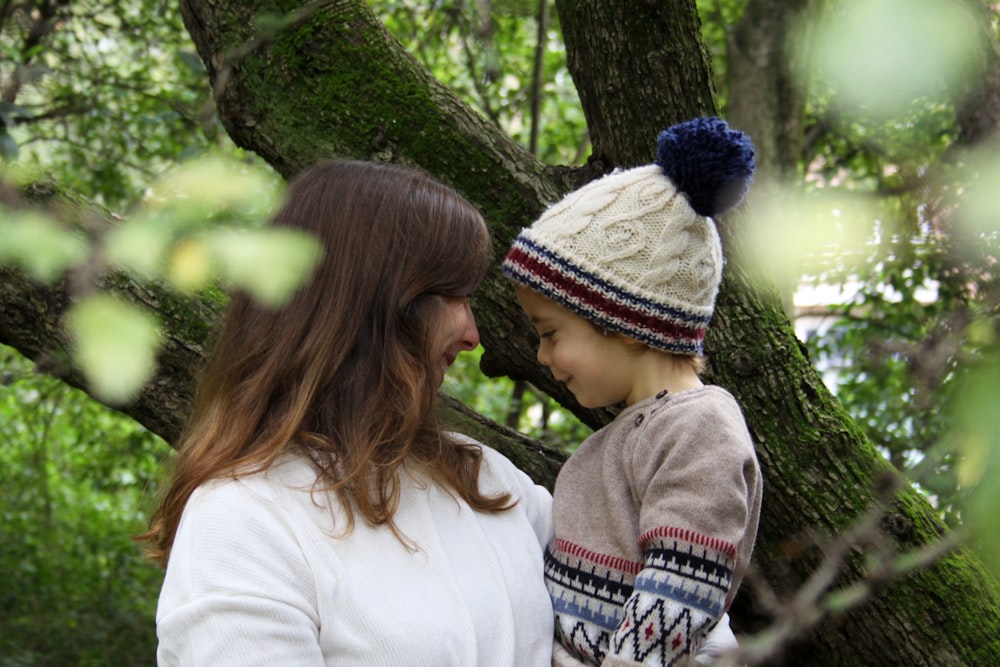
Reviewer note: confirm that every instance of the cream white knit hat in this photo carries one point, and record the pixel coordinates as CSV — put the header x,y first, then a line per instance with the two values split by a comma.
x,y
637,251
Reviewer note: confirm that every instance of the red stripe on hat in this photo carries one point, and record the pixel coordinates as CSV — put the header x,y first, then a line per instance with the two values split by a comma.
x,y
602,303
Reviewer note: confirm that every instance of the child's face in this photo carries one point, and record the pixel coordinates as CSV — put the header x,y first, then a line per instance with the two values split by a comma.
x,y
600,369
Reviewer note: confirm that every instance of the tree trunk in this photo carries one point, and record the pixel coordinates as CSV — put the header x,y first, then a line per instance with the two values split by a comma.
x,y
334,83
766,98
638,68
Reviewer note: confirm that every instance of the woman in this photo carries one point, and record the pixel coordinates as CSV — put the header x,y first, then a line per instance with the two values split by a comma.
x,y
317,513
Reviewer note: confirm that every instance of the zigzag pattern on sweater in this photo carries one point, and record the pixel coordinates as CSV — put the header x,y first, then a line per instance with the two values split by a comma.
x,y
652,612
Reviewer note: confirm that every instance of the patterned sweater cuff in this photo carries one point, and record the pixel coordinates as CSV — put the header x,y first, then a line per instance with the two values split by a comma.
x,y
680,592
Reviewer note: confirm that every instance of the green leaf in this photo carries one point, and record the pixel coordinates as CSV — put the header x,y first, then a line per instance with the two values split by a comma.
x,y
977,437
191,60
115,345
876,53
211,186
982,198
138,246
268,263
38,244
9,112
190,266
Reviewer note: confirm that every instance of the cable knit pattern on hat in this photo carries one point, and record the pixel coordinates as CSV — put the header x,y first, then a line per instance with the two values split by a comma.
x,y
629,252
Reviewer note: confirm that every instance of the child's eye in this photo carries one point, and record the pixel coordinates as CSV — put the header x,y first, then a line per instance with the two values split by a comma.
x,y
547,334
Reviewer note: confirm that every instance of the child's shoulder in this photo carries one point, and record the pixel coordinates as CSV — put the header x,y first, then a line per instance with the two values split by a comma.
x,y
707,410
707,400
673,416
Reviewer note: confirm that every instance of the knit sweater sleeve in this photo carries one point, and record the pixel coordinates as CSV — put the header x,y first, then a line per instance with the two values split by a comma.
x,y
237,588
695,474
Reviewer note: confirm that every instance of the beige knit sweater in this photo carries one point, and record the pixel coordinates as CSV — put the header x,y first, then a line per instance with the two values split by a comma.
x,y
655,520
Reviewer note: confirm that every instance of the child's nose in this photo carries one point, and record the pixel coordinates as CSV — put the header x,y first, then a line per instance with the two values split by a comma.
x,y
544,358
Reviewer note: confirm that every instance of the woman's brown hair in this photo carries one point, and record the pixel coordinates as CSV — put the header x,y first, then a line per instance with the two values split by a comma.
x,y
343,371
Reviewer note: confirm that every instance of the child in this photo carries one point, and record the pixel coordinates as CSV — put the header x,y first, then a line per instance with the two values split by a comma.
x,y
656,513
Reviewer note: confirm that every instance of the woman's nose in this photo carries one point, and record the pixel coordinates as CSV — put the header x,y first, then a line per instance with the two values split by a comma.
x,y
470,336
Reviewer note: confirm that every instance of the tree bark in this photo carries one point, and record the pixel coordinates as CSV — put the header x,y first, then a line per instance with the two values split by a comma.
x,y
334,83
667,72
766,95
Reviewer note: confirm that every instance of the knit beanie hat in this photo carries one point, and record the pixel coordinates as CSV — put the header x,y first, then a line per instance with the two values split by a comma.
x,y
637,251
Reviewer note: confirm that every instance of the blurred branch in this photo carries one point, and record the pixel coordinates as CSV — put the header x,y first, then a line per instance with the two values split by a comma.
x,y
814,601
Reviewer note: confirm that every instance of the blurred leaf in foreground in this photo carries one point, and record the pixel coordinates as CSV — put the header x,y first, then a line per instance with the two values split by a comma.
x,y
38,244
115,345
977,439
268,263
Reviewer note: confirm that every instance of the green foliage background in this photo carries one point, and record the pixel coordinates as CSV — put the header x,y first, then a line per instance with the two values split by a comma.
x,y
74,482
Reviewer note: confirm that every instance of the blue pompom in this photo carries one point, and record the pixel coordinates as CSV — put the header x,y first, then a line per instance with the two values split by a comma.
x,y
707,161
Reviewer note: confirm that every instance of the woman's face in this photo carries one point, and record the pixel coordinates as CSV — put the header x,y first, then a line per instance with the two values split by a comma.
x,y
456,332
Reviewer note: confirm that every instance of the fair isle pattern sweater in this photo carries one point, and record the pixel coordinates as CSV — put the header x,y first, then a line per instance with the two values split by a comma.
x,y
655,520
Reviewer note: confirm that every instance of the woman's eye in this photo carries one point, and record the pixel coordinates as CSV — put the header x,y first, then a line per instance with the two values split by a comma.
x,y
547,334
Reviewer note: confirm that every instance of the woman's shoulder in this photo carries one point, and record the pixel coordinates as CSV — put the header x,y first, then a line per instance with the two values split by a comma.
x,y
498,474
261,509
494,463
268,487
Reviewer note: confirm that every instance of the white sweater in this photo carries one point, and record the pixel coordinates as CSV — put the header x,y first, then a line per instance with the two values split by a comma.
x,y
257,576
